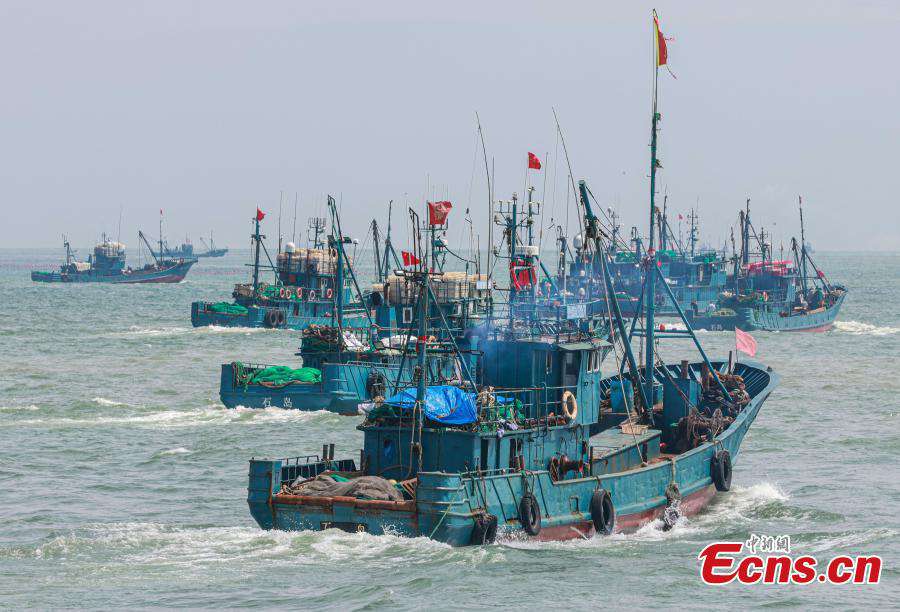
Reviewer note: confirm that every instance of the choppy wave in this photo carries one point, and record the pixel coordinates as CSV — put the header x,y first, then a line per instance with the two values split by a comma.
x,y
177,546
28,407
211,415
175,451
136,331
864,329
102,401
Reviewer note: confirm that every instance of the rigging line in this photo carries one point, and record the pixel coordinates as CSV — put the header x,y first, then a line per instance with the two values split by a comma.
x,y
569,164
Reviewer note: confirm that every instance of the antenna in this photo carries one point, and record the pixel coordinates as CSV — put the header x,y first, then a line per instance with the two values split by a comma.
x,y
280,202
294,231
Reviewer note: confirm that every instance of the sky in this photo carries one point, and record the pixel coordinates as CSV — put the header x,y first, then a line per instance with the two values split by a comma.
x,y
208,109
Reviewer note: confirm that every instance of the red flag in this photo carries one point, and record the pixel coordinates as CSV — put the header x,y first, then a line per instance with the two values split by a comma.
x,y
409,259
260,214
533,162
680,218
438,211
744,342
662,53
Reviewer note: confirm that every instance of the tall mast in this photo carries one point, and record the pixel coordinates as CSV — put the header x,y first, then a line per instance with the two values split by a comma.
x,y
160,235
802,246
651,248
489,195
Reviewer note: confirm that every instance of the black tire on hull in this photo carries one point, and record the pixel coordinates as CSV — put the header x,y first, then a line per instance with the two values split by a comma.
x,y
530,514
720,470
603,513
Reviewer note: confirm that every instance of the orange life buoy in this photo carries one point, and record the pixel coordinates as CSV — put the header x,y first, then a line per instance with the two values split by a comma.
x,y
299,293
281,292
329,293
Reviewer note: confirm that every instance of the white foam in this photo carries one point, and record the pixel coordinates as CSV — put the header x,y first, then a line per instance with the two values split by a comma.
x,y
864,329
175,451
212,415
102,401
29,407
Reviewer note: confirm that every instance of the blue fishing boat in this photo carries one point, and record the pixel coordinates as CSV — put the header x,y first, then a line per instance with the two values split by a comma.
x,y
211,249
696,276
311,287
773,294
344,368
340,374
107,265
535,441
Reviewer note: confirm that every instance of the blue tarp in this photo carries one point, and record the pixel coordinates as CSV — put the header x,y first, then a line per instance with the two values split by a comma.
x,y
443,403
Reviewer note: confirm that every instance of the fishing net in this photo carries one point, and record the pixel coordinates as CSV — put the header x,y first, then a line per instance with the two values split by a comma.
x,y
274,376
227,308
332,485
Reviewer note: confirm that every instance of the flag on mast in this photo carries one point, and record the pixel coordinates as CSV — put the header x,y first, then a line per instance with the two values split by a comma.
x,y
534,163
260,214
662,52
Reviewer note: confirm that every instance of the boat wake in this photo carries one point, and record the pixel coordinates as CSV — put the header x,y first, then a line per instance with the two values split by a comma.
x,y
864,329
176,546
155,332
211,415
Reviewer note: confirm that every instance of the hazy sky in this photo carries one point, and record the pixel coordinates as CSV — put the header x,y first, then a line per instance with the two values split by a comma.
x,y
206,109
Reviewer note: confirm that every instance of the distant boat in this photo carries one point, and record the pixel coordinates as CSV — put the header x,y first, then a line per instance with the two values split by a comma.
x,y
211,250
773,295
107,265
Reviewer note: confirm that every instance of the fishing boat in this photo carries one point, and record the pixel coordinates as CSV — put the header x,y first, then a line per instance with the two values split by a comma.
x,y
107,265
535,443
695,275
343,369
211,249
773,294
311,286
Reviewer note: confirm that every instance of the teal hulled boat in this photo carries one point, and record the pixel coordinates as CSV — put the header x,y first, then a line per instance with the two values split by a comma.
x,y
107,265
535,441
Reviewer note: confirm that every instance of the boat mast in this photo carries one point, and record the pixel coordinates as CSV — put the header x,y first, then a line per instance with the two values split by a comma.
x,y
490,199
802,247
651,249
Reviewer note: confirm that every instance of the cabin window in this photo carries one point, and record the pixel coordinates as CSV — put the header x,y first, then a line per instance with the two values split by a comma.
x,y
549,366
407,314
571,363
485,448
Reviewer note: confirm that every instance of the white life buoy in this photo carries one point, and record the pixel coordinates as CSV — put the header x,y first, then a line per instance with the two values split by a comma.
x,y
569,405
312,295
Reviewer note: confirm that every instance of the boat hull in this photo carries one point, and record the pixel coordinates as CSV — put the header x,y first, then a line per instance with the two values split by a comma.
x,y
447,505
752,319
297,319
171,274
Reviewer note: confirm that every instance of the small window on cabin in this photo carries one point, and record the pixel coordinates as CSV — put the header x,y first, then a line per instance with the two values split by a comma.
x,y
571,365
485,449
407,314
549,362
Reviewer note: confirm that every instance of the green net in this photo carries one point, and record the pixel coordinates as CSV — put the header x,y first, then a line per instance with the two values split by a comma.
x,y
275,376
228,308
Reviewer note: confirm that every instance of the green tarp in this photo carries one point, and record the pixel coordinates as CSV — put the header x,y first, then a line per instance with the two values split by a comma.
x,y
228,308
283,375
